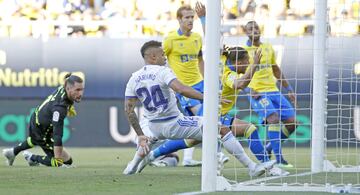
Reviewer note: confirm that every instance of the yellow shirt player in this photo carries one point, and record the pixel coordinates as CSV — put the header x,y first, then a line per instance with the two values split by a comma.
x,y
183,54
237,74
183,51
235,78
266,99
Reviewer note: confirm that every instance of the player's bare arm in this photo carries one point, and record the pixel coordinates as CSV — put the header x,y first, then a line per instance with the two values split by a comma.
x,y
133,119
200,9
58,150
130,104
201,12
284,83
184,90
244,81
201,65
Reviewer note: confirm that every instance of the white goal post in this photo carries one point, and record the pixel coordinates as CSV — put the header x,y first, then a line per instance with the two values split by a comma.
x,y
320,166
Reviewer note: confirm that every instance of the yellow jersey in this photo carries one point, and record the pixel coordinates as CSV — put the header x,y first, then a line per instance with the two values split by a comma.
x,y
263,79
182,53
228,92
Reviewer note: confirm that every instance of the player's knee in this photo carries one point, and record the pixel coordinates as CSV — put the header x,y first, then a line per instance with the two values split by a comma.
x,y
173,155
273,118
291,127
195,109
290,124
224,131
69,162
191,142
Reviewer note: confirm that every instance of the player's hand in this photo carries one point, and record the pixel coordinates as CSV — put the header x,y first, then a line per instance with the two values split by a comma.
x,y
143,142
58,162
225,101
255,94
200,9
257,56
292,97
225,50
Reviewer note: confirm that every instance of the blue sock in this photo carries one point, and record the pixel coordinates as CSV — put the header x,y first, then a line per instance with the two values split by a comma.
x,y
200,111
169,147
283,138
256,147
274,137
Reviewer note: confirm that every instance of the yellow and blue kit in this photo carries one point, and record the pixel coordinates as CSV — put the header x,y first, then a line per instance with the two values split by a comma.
x,y
183,54
264,82
228,92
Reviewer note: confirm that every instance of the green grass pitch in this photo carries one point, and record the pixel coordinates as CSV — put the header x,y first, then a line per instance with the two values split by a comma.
x,y
99,171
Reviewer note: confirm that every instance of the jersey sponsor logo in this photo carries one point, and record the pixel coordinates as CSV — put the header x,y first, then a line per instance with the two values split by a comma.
x,y
184,58
188,57
263,66
56,116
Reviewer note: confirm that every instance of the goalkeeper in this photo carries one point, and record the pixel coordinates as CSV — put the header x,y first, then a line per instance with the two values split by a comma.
x,y
46,126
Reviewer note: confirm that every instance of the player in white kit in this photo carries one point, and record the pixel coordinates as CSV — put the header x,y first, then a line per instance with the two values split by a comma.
x,y
154,86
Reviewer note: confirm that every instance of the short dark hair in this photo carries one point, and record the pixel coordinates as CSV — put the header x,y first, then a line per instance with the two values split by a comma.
x,y
72,79
148,45
184,7
235,53
252,22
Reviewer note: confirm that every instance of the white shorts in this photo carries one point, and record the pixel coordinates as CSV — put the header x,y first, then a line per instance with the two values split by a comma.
x,y
144,124
181,127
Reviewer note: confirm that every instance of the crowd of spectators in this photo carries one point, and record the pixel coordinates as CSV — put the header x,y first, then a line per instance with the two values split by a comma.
x,y
138,18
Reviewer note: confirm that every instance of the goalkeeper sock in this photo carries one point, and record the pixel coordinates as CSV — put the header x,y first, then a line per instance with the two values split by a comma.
x,y
234,147
255,144
23,146
169,147
274,136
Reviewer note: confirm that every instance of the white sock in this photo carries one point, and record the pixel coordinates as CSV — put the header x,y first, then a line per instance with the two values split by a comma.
x,y
188,153
136,159
234,147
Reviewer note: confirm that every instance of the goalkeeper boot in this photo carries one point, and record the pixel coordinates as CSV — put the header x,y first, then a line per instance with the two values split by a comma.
x,y
284,164
27,156
9,155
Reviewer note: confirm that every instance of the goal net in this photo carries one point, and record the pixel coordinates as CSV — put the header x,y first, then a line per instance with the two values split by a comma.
x,y
316,47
